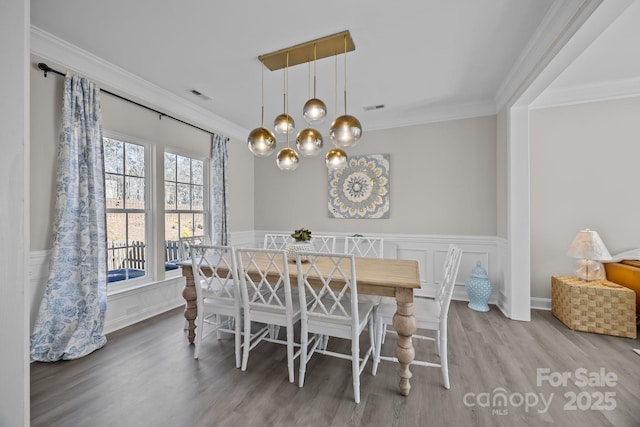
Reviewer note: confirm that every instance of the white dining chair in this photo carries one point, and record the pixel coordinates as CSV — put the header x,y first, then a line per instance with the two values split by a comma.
x,y
266,298
217,293
365,247
185,243
430,314
276,241
324,243
328,291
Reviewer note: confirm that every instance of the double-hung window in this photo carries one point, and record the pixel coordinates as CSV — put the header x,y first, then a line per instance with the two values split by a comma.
x,y
185,201
126,188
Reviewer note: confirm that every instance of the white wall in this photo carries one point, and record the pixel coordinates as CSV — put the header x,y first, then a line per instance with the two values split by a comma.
x,y
14,204
584,173
442,177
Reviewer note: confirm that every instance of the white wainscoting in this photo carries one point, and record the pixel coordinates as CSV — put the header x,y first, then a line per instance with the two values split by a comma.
x,y
133,305
127,306
430,250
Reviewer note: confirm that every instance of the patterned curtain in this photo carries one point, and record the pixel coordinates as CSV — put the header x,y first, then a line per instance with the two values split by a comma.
x,y
71,316
219,183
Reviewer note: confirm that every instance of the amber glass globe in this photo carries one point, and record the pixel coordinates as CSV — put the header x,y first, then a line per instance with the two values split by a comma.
x,y
345,131
284,124
309,142
314,111
287,159
261,142
336,159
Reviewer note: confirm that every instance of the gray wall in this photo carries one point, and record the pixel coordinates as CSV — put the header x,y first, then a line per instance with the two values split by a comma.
x,y
442,177
584,174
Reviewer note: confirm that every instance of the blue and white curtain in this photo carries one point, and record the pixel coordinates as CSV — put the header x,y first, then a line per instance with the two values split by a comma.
x,y
219,184
71,316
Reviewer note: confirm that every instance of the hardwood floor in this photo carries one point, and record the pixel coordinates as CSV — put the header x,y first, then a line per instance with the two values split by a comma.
x,y
146,376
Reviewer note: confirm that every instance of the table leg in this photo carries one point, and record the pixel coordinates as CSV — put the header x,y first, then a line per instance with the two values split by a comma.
x,y
191,307
404,323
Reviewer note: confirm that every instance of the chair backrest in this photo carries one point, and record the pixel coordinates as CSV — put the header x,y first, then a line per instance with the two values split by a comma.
x,y
324,243
215,273
185,243
364,247
449,275
263,275
276,241
327,287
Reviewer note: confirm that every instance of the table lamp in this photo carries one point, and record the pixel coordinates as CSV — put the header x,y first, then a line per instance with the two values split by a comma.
x,y
589,248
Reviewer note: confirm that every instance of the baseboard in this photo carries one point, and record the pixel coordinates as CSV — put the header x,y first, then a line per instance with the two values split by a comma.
x,y
540,303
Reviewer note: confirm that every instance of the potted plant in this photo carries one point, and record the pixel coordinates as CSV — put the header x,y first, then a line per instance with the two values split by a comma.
x,y
302,237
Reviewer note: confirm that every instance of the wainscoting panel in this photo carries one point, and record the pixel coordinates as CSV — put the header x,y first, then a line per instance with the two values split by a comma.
x,y
133,305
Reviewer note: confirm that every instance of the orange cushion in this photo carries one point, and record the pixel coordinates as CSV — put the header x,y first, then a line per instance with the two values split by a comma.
x,y
625,273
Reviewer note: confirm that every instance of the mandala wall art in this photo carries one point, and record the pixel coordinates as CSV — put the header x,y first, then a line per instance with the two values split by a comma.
x,y
361,190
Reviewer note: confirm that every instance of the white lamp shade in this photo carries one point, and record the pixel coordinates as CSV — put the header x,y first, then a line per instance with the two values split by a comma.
x,y
588,245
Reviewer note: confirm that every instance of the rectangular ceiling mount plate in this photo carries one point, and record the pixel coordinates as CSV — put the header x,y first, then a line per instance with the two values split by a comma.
x,y
302,53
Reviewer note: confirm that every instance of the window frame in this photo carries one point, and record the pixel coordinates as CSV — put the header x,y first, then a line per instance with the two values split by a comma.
x,y
206,189
147,211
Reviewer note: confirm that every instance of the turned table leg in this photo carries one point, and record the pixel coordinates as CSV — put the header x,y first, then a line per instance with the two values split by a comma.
x,y
404,323
191,308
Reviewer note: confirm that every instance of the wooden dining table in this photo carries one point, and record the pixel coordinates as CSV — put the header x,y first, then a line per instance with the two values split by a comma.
x,y
396,278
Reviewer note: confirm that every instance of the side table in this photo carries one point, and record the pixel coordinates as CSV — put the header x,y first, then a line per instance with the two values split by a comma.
x,y
597,306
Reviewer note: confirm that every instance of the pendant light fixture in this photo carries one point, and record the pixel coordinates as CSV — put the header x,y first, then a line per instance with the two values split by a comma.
x,y
345,130
284,123
261,141
287,158
336,158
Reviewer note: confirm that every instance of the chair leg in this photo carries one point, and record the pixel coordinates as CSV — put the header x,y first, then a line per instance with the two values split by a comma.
x,y
304,342
355,368
443,355
238,342
247,341
380,326
290,353
372,339
218,322
199,333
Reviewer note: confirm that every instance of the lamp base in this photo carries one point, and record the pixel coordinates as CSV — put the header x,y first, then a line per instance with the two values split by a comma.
x,y
590,270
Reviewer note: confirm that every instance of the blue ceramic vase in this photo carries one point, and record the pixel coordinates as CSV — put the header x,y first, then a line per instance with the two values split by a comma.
x,y
479,289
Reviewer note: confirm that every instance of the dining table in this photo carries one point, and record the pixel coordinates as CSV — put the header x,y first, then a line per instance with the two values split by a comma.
x,y
395,278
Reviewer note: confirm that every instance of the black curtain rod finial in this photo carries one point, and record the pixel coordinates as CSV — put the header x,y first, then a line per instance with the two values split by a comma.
x,y
44,67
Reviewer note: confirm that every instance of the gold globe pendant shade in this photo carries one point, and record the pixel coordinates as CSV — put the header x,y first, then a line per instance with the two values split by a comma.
x,y
284,124
314,111
261,142
345,131
309,142
288,159
336,159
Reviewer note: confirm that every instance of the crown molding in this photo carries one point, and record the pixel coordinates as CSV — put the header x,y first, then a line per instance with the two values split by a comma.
x,y
439,114
602,91
65,54
560,23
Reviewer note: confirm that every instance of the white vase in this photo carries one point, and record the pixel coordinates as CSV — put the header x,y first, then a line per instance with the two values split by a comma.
x,y
294,248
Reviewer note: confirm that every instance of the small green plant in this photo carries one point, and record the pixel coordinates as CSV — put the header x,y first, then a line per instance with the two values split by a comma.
x,y
301,235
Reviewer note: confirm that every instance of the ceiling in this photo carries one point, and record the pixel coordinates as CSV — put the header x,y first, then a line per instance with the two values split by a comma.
x,y
424,60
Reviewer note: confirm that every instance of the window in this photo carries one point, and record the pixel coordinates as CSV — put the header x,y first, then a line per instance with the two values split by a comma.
x,y
126,203
184,193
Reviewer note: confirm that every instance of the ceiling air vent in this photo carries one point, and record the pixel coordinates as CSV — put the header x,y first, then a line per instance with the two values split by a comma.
x,y
200,95
374,107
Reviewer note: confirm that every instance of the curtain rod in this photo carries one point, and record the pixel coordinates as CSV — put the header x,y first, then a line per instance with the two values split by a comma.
x,y
46,69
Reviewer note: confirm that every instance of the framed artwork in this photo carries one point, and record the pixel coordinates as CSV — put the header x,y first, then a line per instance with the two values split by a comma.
x,y
361,189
